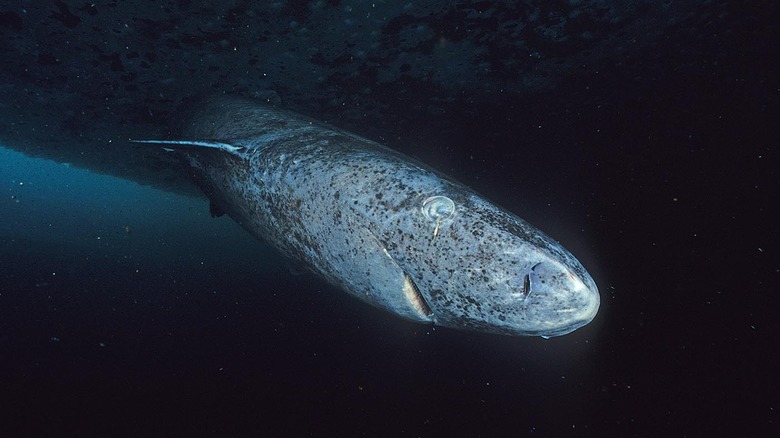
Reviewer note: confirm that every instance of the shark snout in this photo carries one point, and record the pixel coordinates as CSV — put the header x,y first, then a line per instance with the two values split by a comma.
x,y
561,300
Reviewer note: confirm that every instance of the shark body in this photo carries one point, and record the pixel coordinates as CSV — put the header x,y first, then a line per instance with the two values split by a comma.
x,y
381,226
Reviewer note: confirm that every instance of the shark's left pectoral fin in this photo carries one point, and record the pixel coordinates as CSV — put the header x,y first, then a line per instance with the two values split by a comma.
x,y
227,147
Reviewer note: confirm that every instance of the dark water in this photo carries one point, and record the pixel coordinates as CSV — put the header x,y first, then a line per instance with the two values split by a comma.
x,y
128,311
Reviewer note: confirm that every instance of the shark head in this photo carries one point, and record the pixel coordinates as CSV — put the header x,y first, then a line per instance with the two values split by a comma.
x,y
475,266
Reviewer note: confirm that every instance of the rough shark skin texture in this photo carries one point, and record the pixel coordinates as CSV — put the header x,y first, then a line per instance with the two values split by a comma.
x,y
388,230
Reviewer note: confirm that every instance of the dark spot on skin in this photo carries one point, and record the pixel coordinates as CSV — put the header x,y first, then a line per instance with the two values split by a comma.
x,y
298,203
378,196
337,195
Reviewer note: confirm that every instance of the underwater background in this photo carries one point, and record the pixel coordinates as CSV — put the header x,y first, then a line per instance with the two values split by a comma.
x,y
641,135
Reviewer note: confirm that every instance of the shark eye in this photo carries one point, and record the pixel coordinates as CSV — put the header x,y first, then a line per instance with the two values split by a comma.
x,y
438,208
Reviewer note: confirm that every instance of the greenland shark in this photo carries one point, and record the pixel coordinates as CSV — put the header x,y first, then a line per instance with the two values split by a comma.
x,y
383,227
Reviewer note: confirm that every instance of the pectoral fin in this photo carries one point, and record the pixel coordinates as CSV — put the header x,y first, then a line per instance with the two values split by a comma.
x,y
227,147
383,282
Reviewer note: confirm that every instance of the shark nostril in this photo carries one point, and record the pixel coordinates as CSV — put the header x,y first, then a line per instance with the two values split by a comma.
x,y
526,286
528,282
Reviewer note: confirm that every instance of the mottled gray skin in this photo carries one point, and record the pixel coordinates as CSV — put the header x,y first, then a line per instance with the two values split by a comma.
x,y
352,211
